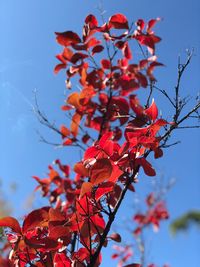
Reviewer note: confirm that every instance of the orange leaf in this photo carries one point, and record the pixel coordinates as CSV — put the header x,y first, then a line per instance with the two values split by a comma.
x,y
65,131
75,123
11,223
59,67
86,188
67,53
73,100
100,171
80,169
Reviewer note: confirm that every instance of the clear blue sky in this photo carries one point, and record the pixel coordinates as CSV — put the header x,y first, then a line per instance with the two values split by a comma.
x,y
27,51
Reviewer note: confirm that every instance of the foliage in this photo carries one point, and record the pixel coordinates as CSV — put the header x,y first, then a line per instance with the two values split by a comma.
x,y
116,132
185,221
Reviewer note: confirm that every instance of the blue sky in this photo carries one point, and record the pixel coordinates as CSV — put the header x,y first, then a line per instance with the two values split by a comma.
x,y
27,52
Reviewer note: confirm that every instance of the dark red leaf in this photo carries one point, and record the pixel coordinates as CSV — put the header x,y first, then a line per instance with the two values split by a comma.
x,y
105,63
97,49
140,24
158,153
78,56
116,237
148,169
85,138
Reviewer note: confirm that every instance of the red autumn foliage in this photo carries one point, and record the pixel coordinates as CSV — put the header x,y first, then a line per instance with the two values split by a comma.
x,y
117,133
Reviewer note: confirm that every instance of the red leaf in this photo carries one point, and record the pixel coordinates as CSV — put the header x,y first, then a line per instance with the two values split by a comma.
x,y
91,152
140,24
118,21
116,173
106,143
56,215
81,255
61,260
103,189
116,237
98,221
150,199
151,24
127,51
105,63
67,53
78,56
121,107
96,123
100,171
135,105
97,49
85,138
59,67
152,111
91,21
148,169
11,223
37,218
151,69
120,44
59,231
67,38
114,256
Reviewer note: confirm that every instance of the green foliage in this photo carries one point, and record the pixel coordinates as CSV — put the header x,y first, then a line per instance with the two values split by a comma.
x,y
184,222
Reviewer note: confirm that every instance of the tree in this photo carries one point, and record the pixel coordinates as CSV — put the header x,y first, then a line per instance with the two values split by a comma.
x,y
185,221
117,134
